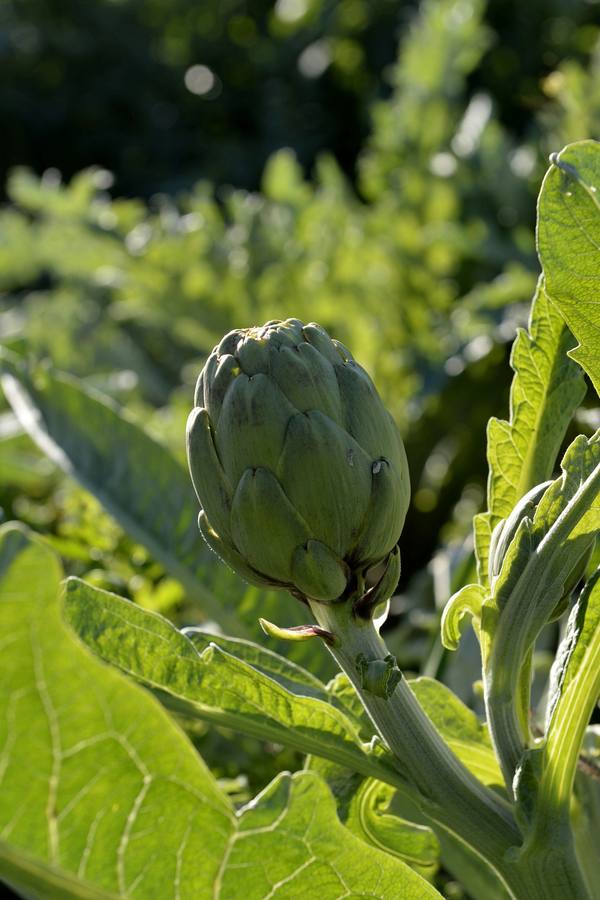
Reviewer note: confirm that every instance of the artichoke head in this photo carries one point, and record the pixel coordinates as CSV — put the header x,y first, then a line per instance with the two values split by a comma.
x,y
299,468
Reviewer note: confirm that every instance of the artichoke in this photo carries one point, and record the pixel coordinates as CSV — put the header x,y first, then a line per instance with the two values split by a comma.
x,y
299,468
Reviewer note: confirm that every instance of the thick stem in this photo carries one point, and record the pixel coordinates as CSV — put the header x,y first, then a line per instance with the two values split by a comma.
x,y
452,797
527,610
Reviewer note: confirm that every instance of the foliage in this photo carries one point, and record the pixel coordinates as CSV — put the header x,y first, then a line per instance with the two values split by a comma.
x,y
114,82
437,776
413,244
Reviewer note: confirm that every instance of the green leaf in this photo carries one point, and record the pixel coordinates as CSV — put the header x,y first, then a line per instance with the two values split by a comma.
x,y
96,778
149,493
465,602
33,878
363,806
568,240
369,817
285,671
102,794
310,854
136,479
412,836
276,703
546,390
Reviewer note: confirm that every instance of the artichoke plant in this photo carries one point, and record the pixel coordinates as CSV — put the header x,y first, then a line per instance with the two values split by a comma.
x,y
506,531
299,468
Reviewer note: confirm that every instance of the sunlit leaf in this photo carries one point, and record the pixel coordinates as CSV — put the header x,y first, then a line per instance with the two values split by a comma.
x,y
267,702
568,245
363,805
96,779
546,389
315,856
103,795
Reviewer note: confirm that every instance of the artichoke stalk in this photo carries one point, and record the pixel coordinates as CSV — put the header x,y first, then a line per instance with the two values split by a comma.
x,y
299,468
505,532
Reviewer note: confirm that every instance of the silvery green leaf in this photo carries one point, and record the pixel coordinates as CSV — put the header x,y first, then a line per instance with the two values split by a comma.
x,y
546,389
568,238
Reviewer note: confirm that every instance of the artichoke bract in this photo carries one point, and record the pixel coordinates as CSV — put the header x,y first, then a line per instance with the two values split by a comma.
x,y
299,468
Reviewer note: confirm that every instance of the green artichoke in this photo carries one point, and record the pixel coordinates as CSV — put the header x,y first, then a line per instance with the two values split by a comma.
x,y
299,468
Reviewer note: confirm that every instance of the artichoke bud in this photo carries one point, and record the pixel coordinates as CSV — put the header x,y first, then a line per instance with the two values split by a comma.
x,y
299,468
506,530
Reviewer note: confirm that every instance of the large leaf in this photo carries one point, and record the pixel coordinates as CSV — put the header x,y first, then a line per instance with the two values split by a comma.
x,y
403,829
147,491
96,779
37,879
546,389
103,795
363,806
315,856
569,246
135,478
278,704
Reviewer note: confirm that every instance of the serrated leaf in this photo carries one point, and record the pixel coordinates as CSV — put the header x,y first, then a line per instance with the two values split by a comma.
x,y
285,671
149,493
363,807
91,762
315,856
465,602
546,389
568,239
215,685
102,795
369,817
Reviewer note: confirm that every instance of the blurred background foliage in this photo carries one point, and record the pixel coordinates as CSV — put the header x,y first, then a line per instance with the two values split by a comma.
x,y
175,169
